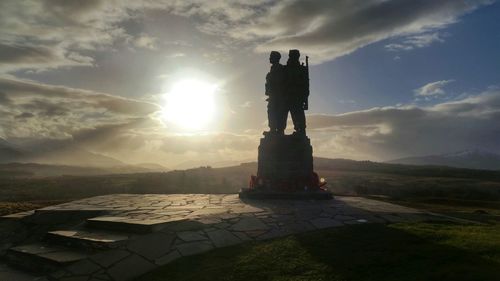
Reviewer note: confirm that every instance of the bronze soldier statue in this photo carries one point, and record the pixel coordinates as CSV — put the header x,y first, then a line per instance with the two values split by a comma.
x,y
296,91
275,82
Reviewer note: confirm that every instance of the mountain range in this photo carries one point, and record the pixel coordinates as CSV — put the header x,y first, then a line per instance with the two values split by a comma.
x,y
470,158
67,159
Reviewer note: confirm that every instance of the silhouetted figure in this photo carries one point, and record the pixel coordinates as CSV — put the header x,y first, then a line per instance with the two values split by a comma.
x,y
275,82
296,91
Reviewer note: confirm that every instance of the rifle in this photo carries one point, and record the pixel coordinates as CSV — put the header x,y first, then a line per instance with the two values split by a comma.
x,y
306,98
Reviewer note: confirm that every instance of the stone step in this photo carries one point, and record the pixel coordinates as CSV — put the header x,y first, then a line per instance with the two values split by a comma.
x,y
52,216
17,216
128,224
41,257
95,239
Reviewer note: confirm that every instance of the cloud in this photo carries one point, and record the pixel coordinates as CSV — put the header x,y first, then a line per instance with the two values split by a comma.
x,y
4,99
392,132
146,41
56,118
56,111
432,89
13,57
329,29
52,34
415,41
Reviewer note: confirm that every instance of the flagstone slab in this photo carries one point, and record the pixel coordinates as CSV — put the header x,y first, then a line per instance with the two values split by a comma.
x,y
18,216
130,268
193,248
131,224
152,246
173,255
189,236
85,267
106,259
43,257
223,238
82,238
249,224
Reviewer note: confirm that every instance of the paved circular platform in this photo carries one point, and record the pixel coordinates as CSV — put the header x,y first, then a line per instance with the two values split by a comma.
x,y
122,236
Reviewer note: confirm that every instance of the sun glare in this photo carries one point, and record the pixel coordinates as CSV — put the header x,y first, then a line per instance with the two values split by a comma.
x,y
190,104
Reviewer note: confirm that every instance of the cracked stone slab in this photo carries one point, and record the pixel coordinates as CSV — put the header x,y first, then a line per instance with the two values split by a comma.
x,y
167,258
152,246
56,254
193,248
189,236
131,224
108,258
130,267
101,237
249,224
84,267
223,238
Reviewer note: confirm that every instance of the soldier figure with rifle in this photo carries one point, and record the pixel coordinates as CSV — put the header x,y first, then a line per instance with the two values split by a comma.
x,y
296,91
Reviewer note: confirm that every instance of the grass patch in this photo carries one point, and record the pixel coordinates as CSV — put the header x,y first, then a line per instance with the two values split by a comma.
x,y
475,210
405,251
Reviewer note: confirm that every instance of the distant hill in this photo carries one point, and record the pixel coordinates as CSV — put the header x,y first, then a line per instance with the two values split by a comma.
x,y
55,160
72,156
471,159
54,155
21,170
152,167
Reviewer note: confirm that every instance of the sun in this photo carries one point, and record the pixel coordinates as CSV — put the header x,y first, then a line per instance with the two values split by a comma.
x,y
190,104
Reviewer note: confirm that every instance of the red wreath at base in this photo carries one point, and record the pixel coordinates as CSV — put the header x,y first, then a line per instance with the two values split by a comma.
x,y
312,183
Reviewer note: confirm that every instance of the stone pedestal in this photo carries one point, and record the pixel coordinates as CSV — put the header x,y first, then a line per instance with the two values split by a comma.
x,y
285,158
285,170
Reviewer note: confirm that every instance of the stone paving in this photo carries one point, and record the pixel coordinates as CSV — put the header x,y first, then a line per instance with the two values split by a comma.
x,y
142,232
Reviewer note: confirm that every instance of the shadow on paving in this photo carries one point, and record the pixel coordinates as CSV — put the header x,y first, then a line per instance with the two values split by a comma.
x,y
360,252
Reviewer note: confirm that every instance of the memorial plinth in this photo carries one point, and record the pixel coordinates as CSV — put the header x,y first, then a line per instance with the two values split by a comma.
x,y
285,170
285,158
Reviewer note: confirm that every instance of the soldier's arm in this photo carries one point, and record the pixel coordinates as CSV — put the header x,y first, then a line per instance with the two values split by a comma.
x,y
305,80
267,85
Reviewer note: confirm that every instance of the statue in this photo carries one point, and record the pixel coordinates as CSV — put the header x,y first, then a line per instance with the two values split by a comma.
x,y
275,82
288,90
297,91
285,162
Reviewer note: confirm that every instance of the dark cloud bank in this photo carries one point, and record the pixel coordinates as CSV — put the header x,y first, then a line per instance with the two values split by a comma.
x,y
391,132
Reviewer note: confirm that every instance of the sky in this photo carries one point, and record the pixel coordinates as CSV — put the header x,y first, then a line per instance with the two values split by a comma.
x,y
389,78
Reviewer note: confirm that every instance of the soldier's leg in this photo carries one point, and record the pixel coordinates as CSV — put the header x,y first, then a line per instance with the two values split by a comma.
x,y
298,117
271,115
281,116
